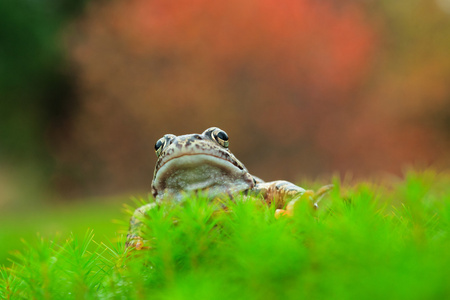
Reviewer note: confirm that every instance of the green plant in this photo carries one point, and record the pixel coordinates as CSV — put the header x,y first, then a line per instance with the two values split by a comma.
x,y
387,241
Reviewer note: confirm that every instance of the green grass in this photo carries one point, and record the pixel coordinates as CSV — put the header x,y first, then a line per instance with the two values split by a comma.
x,y
388,241
23,221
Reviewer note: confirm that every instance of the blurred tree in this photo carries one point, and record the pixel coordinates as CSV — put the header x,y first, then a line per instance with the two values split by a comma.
x,y
36,94
409,93
270,74
302,87
35,86
415,72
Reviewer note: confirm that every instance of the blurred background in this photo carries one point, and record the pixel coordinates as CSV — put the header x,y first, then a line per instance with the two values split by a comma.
x,y
303,88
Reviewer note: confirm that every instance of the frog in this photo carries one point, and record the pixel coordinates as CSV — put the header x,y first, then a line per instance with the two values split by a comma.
x,y
203,162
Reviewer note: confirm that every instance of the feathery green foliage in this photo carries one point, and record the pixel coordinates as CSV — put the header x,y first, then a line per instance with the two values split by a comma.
x,y
378,242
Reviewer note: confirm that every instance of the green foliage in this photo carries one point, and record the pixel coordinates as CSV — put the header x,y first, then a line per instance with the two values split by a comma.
x,y
63,219
380,242
34,88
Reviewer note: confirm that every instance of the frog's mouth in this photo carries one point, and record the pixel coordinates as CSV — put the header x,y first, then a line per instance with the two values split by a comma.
x,y
193,172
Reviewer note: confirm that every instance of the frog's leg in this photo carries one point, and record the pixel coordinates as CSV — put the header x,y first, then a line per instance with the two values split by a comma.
x,y
134,236
278,192
308,195
281,192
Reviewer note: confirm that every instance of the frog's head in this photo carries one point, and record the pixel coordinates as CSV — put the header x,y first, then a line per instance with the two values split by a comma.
x,y
198,162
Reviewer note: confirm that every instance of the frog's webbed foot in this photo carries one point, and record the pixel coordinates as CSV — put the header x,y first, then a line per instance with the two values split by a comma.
x,y
136,242
135,235
276,192
309,195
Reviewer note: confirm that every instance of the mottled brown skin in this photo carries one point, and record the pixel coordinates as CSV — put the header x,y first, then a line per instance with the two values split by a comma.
x,y
193,162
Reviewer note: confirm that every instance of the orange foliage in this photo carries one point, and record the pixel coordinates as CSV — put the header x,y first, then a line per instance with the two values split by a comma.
x,y
313,41
284,79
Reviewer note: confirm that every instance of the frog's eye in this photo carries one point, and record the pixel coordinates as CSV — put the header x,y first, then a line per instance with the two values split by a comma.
x,y
163,142
159,146
221,137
